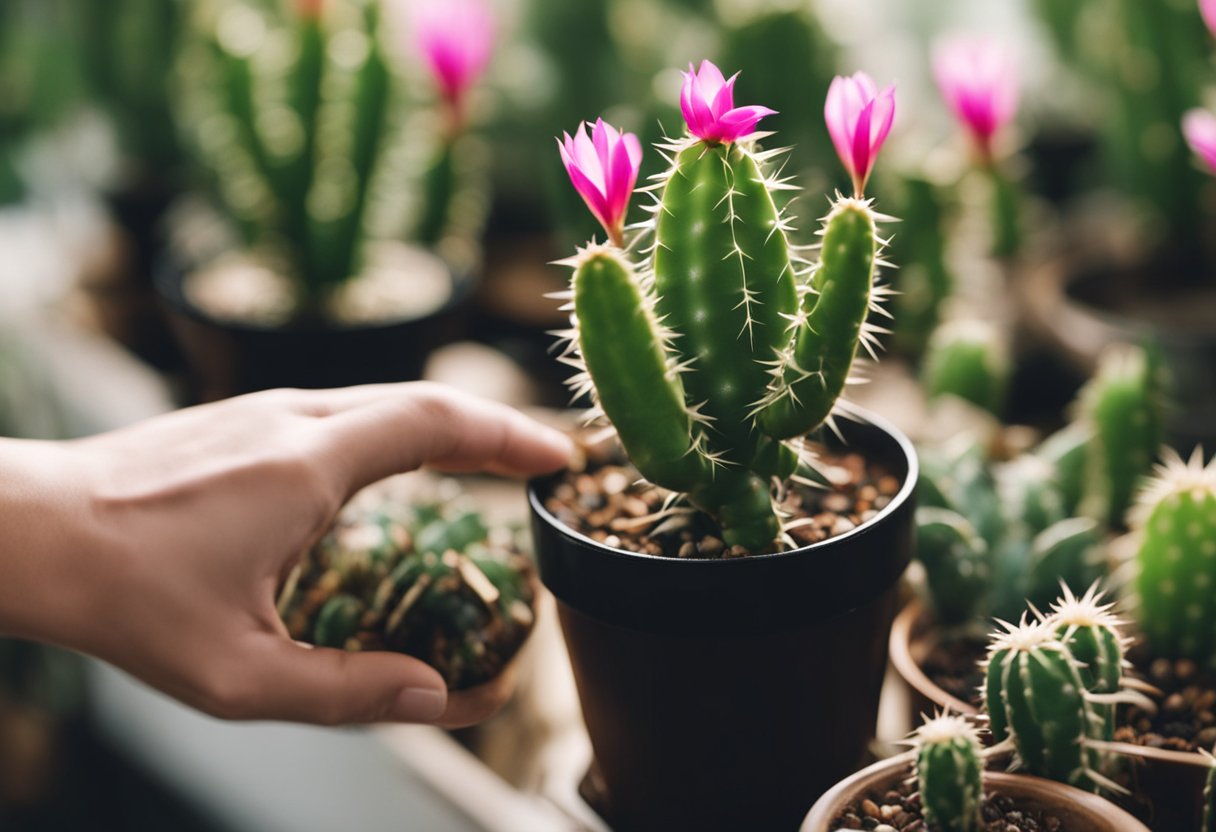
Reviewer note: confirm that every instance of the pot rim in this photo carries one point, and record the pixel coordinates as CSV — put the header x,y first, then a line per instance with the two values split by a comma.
x,y
899,648
906,490
826,807
170,275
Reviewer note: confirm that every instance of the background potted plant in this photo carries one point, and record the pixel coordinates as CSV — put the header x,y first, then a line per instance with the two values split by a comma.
x,y
334,275
713,353
994,534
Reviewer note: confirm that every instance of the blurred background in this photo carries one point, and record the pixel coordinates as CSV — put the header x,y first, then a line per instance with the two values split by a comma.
x,y
200,198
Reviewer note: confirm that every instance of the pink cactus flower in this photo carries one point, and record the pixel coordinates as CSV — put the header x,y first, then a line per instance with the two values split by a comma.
x,y
1208,9
310,8
707,101
859,118
1199,127
455,38
603,168
979,80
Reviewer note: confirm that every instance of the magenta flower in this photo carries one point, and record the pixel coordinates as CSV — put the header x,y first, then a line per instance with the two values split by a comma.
x,y
455,37
859,118
979,80
1208,9
707,101
1199,127
604,169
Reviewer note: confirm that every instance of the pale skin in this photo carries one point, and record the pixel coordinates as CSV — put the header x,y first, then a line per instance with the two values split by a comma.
x,y
159,547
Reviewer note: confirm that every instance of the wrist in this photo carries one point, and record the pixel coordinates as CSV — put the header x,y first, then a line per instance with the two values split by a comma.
x,y
44,529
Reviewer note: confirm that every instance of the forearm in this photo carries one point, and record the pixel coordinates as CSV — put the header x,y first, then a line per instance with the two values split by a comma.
x,y
44,512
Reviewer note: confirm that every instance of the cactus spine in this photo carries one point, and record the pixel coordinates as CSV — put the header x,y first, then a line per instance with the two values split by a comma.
x,y
1175,523
719,348
949,773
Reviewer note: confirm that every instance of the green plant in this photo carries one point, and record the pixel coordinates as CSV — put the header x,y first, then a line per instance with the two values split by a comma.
x,y
704,416
429,580
1039,706
967,358
924,281
1209,795
949,774
1174,522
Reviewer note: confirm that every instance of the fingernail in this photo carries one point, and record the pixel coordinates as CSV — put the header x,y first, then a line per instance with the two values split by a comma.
x,y
420,705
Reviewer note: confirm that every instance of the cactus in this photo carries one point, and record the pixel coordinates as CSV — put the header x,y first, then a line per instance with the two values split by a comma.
x,y
1122,406
1038,705
430,581
949,773
1174,522
719,348
1094,636
924,280
695,412
967,358
991,536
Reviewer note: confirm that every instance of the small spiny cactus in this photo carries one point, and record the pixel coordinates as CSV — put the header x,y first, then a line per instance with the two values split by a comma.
x,y
949,773
967,358
1174,521
1094,636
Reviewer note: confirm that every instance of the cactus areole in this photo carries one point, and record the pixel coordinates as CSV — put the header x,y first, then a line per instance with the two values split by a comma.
x,y
714,350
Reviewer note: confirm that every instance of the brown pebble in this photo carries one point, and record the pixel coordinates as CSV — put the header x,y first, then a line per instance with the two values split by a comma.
x,y
870,808
842,525
688,550
711,546
837,502
735,552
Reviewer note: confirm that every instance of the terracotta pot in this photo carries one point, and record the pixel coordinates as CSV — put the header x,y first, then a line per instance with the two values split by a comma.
x,y
1167,784
912,637
1079,811
228,357
728,694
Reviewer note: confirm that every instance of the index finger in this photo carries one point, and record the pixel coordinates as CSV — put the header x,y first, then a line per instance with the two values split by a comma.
x,y
427,424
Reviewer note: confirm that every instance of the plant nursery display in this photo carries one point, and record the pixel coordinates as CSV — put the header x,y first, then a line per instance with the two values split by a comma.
x,y
424,578
354,209
714,343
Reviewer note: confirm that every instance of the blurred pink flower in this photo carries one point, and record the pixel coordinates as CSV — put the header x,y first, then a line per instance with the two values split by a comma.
x,y
1199,127
859,118
1208,8
310,8
707,101
603,168
979,80
455,38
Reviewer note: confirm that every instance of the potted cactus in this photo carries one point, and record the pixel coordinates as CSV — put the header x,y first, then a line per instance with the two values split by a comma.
x,y
992,535
349,234
422,575
713,345
1050,690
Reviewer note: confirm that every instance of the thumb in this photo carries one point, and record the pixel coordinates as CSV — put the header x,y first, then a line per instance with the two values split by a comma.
x,y
300,683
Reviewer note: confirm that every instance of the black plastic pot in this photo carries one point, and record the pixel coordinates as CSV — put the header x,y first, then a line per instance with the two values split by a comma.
x,y
228,357
729,694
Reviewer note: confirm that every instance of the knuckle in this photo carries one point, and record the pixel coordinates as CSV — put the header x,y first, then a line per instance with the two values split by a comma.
x,y
226,694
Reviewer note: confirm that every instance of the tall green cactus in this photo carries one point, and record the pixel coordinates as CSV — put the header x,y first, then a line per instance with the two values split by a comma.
x,y
1174,521
1094,636
293,108
968,359
924,281
1121,405
719,348
949,773
1038,705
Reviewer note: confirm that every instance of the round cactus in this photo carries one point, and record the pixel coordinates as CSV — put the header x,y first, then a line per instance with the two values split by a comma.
x,y
1174,522
949,774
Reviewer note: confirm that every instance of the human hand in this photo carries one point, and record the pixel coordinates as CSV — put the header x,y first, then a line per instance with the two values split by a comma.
x,y
159,547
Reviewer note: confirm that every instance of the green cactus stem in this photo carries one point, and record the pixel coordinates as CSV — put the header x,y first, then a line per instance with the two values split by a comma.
x,y
967,358
1094,636
1174,522
957,564
1038,705
719,348
924,280
1121,405
949,773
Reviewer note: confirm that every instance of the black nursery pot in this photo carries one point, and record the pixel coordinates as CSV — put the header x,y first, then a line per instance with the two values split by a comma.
x,y
729,694
229,357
